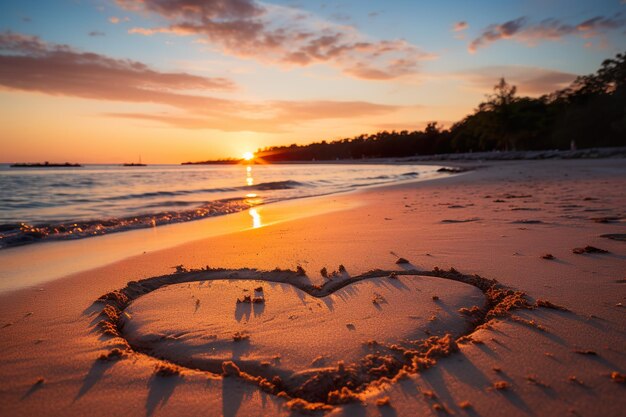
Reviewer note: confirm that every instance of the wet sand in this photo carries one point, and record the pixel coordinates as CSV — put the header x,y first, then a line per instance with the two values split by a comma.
x,y
499,221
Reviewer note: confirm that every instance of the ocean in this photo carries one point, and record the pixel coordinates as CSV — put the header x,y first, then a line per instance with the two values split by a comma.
x,y
38,204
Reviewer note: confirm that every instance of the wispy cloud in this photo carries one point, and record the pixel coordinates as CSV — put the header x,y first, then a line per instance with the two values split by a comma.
x,y
522,30
529,80
29,64
269,117
460,26
96,33
280,35
115,20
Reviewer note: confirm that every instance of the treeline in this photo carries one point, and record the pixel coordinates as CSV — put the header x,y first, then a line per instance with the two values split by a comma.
x,y
591,112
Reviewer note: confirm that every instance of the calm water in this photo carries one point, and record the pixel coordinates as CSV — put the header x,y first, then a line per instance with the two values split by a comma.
x,y
62,203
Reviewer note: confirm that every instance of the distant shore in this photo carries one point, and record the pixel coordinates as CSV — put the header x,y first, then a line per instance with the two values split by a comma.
x,y
44,165
588,153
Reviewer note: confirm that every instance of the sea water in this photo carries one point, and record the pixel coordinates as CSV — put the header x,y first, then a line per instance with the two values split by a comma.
x,y
67,203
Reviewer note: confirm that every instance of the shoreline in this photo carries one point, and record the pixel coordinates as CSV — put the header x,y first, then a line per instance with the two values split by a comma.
x,y
45,261
186,205
36,263
497,222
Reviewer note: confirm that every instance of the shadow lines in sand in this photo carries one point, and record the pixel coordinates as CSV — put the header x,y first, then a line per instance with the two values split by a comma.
x,y
95,374
160,389
233,394
243,311
467,373
34,388
349,410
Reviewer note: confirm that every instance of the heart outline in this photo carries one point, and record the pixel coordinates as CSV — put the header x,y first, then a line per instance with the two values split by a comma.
x,y
500,301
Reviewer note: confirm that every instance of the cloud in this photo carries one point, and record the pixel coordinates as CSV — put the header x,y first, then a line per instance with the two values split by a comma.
x,y
522,30
96,33
29,64
460,26
115,20
269,117
280,35
326,109
529,80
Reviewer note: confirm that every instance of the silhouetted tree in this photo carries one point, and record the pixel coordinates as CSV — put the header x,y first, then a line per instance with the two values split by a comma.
x,y
591,112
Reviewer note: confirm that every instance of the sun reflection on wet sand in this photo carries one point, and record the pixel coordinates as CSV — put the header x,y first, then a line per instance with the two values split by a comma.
x,y
256,218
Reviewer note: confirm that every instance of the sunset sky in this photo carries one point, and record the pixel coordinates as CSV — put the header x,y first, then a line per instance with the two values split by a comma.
x,y
99,81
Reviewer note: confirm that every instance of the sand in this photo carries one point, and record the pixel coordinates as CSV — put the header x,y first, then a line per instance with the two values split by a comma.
x,y
198,322
498,221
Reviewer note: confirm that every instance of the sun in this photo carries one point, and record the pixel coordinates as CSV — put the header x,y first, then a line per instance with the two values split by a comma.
x,y
248,156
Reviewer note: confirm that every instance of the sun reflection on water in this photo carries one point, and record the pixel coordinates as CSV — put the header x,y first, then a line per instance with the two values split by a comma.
x,y
249,178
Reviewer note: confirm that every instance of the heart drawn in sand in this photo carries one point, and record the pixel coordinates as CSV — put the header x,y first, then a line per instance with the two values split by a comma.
x,y
315,345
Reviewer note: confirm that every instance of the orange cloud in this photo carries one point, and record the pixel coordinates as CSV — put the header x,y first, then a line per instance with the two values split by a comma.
x,y
29,64
115,20
281,35
269,117
548,29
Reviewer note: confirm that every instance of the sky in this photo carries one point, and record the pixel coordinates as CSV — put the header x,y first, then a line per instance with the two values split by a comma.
x,y
109,81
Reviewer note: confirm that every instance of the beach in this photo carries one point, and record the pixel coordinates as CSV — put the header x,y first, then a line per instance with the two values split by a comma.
x,y
407,321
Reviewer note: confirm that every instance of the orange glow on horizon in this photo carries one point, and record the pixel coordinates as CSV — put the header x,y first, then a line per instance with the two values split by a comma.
x,y
248,156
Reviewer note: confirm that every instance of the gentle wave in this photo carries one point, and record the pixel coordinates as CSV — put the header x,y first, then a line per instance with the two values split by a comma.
x,y
21,234
38,205
170,193
276,185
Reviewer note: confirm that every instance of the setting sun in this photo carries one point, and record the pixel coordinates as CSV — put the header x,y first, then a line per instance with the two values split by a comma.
x,y
248,156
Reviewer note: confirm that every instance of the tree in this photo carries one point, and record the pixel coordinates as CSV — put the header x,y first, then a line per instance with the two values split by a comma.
x,y
497,122
502,97
591,112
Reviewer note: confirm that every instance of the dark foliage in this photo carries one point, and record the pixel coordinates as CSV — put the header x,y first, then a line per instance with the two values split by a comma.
x,y
591,112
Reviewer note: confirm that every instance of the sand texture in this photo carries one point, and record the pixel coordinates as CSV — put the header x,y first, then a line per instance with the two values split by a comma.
x,y
494,311
197,324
